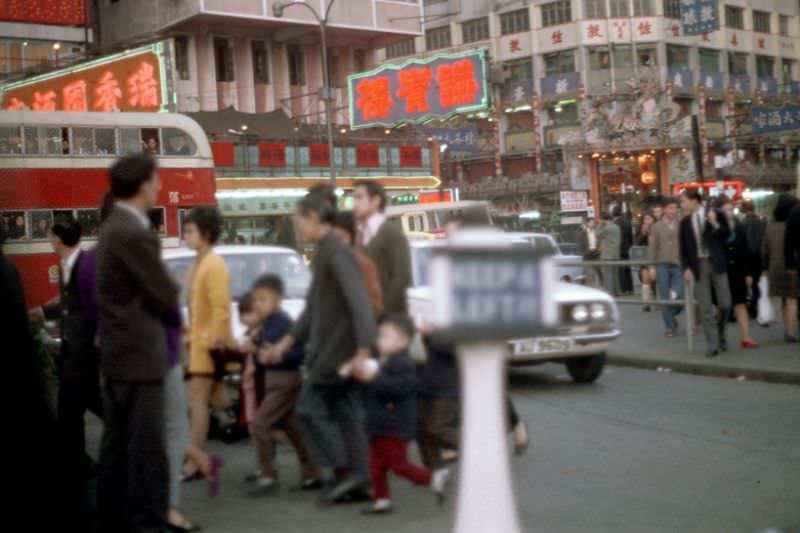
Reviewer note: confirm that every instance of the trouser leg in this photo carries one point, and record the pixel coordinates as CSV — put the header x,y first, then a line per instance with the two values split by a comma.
x,y
704,301
112,491
177,430
378,470
319,427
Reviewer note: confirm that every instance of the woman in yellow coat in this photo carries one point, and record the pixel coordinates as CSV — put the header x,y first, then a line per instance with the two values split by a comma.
x,y
209,302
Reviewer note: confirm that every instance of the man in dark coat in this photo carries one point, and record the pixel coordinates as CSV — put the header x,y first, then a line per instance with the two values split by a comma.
x,y
754,229
79,365
626,241
702,248
134,293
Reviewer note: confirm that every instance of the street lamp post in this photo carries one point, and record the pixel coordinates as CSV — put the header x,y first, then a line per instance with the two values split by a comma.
x,y
326,93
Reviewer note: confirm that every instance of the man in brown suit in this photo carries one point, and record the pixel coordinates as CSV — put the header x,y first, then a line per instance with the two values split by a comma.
x,y
384,243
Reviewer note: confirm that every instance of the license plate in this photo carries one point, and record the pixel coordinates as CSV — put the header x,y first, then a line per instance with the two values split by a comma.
x,y
542,345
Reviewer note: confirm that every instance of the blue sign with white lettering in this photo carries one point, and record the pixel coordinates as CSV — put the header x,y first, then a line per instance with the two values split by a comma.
x,y
682,79
556,84
712,81
457,139
768,86
771,120
740,83
699,16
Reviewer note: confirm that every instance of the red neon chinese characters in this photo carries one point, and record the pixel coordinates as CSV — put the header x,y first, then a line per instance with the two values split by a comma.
x,y
15,104
75,96
44,101
374,100
107,93
457,83
593,30
414,85
645,28
143,87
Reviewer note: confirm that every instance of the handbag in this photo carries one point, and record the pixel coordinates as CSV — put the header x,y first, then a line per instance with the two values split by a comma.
x,y
766,313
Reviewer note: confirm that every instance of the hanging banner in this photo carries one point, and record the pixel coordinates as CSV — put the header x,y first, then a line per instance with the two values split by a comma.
x,y
318,155
410,156
574,200
61,13
367,155
699,16
272,155
137,80
418,89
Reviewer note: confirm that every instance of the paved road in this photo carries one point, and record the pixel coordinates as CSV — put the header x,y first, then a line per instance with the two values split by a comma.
x,y
638,451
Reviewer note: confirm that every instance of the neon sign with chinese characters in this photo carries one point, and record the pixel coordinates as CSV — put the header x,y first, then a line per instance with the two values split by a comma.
x,y
418,89
136,80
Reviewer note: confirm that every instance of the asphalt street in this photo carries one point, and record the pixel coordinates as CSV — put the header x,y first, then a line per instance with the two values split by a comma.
x,y
637,451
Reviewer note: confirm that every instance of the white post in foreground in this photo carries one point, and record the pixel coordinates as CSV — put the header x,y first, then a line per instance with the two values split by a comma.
x,y
484,292
485,494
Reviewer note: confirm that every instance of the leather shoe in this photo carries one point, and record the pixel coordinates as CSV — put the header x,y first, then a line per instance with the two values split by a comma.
x,y
712,353
346,485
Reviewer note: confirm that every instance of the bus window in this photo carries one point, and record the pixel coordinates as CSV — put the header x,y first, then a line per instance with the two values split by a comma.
x,y
150,143
177,142
156,216
41,222
62,214
105,141
82,141
10,142
130,142
65,141
89,220
14,225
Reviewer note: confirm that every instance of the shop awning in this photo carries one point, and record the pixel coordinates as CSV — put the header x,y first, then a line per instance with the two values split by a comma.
x,y
273,125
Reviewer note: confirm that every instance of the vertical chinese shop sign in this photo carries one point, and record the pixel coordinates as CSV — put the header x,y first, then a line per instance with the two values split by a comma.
x,y
136,80
418,89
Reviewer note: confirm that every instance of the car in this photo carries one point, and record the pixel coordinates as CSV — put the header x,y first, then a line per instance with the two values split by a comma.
x,y
587,320
569,266
246,264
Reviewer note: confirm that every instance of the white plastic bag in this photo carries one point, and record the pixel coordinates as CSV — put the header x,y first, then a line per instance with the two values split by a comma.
x,y
766,314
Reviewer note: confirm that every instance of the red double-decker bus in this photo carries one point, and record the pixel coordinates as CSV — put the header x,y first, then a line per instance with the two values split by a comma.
x,y
54,164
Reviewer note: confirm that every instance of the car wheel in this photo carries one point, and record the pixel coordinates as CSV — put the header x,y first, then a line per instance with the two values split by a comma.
x,y
585,369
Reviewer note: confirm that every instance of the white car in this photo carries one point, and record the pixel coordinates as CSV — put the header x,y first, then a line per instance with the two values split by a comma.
x,y
568,266
587,320
246,264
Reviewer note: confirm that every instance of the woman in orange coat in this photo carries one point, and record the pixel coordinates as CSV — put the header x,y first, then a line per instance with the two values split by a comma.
x,y
209,302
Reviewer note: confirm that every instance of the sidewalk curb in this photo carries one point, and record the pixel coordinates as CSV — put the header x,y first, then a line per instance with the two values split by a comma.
x,y
702,368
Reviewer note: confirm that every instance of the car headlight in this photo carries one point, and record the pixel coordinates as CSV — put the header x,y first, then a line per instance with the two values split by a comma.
x,y
598,312
580,313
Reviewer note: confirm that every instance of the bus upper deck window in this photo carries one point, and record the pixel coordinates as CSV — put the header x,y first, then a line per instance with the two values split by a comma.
x,y
130,141
82,141
10,140
41,222
150,142
105,141
178,142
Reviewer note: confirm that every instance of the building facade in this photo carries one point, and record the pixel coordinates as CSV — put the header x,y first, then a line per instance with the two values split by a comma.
x,y
40,35
238,53
563,67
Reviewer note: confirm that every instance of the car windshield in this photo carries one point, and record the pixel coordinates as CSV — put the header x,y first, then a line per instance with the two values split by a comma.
x,y
246,268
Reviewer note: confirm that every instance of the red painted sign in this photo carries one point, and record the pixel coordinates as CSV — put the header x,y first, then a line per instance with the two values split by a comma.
x,y
419,89
593,30
56,12
131,83
410,156
272,155
223,154
318,155
368,155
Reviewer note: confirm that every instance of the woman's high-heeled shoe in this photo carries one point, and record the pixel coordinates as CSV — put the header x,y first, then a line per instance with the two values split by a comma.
x,y
215,463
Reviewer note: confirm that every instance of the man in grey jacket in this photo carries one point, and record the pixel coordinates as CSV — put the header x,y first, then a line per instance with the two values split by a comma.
x,y
339,329
609,237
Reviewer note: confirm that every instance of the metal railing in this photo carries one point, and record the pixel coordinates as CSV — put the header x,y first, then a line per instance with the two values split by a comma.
x,y
687,302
